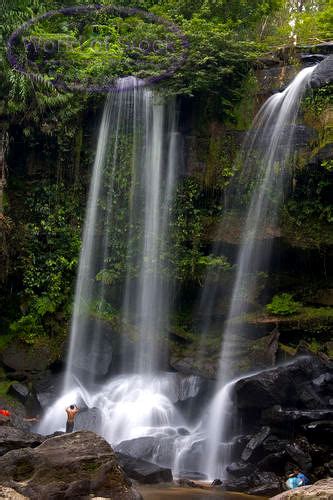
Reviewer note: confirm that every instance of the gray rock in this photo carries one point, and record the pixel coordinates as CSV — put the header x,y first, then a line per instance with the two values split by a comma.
x,y
143,447
142,471
299,456
19,391
254,443
323,73
13,439
238,469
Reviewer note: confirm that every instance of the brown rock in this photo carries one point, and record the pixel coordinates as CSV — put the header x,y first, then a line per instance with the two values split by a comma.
x,y
68,466
322,489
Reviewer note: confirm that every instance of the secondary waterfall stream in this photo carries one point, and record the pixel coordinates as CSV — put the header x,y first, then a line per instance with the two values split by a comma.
x,y
269,148
139,130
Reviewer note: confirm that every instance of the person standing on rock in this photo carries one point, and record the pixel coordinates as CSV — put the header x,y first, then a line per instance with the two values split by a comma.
x,y
71,411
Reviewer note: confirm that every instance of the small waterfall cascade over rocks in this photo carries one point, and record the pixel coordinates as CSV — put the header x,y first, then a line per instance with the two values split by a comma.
x,y
134,173
268,148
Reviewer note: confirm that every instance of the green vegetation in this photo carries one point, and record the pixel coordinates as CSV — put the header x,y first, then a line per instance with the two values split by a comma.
x,y
283,305
53,134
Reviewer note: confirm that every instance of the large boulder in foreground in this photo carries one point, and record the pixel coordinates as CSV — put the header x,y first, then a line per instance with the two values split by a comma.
x,y
321,489
68,466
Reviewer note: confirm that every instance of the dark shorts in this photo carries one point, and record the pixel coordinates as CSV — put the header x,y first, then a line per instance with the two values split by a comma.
x,y
69,426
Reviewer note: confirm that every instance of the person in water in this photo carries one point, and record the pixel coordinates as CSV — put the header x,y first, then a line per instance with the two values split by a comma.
x,y
71,411
297,479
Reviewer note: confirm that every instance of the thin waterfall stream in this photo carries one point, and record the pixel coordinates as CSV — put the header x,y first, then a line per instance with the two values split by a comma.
x,y
269,148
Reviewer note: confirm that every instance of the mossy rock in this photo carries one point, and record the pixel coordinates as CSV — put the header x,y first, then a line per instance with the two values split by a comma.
x,y
37,356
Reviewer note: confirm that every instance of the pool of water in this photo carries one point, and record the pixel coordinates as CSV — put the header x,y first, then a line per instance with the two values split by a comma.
x,y
171,492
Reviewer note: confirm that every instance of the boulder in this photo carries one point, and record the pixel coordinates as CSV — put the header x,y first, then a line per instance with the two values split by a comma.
x,y
300,456
255,442
322,429
322,489
13,439
238,469
265,483
274,462
72,465
21,356
88,419
19,391
282,385
323,73
142,447
142,471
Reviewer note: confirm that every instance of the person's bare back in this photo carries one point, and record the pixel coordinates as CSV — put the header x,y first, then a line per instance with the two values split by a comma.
x,y
71,411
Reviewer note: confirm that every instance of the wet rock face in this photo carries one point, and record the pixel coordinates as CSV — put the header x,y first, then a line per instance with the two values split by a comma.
x,y
67,466
295,433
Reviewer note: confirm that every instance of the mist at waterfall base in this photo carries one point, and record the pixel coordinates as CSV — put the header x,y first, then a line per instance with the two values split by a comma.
x,y
142,400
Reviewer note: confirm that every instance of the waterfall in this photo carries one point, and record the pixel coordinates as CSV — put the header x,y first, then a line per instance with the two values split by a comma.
x,y
131,192
269,148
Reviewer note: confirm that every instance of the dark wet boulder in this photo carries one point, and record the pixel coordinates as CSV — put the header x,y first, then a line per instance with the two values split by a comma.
x,y
300,455
323,73
310,59
284,385
13,439
265,483
88,419
251,449
322,429
19,391
239,469
68,466
142,471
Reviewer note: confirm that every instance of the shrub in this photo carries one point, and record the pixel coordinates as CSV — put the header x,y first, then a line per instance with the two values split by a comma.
x,y
283,305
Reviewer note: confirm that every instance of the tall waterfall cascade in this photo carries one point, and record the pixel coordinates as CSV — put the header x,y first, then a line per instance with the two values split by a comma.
x,y
268,148
138,148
